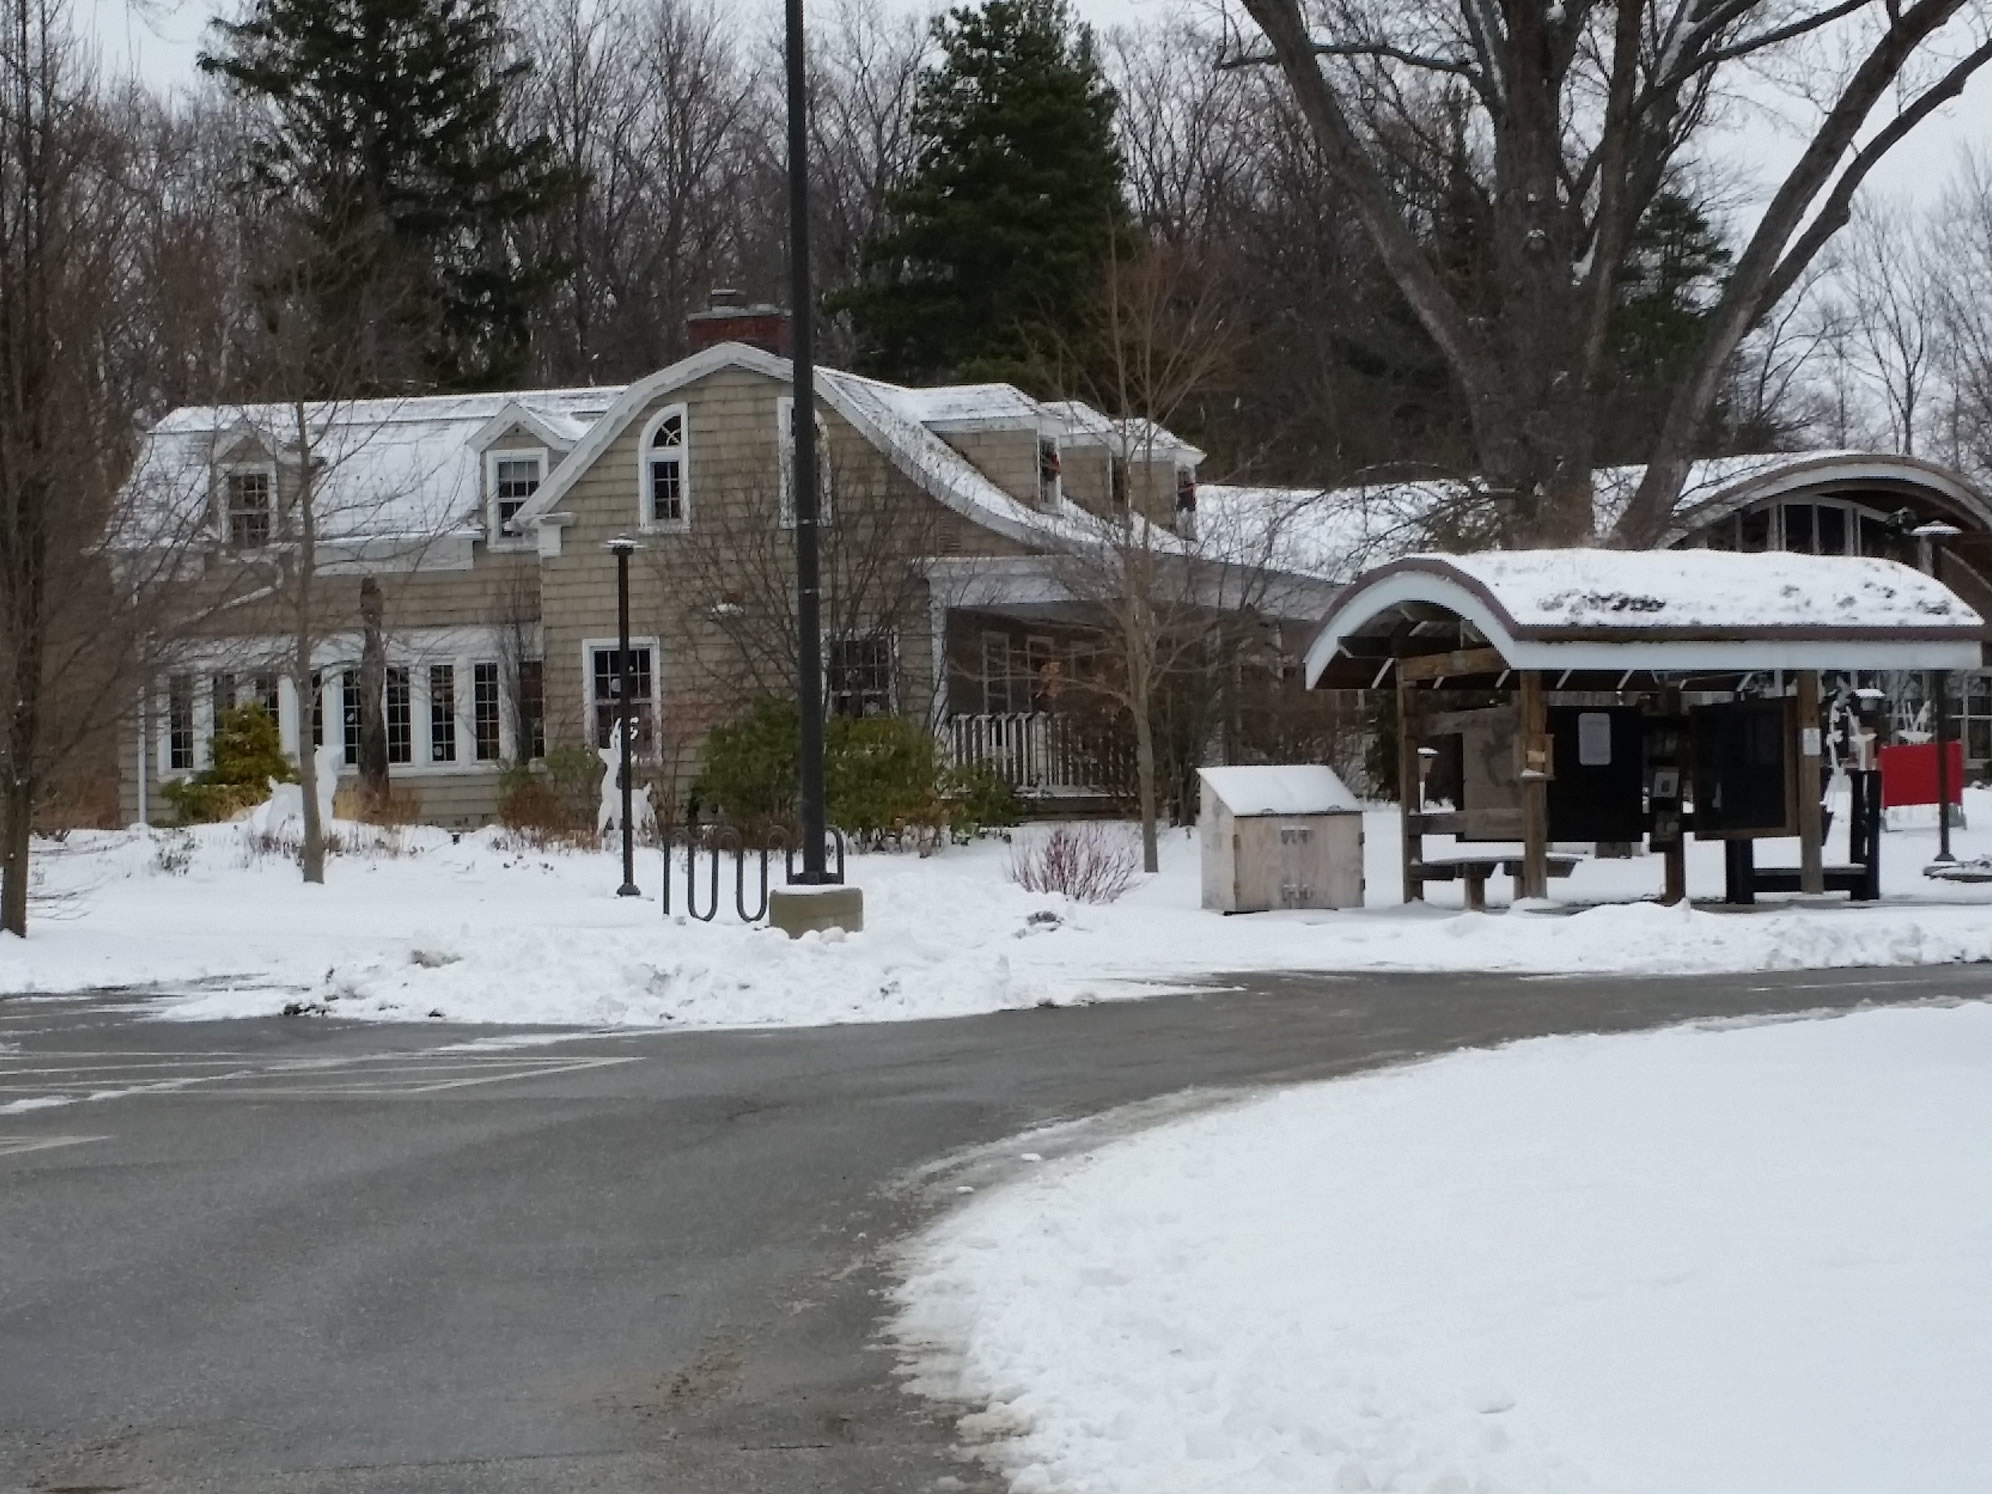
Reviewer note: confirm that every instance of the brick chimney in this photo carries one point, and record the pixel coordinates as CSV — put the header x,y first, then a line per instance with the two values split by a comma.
x,y
728,318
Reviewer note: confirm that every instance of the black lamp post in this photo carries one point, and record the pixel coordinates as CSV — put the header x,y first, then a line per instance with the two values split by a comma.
x,y
808,584
1930,537
624,547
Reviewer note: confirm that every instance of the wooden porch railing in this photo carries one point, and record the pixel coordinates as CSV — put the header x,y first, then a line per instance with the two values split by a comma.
x,y
1038,753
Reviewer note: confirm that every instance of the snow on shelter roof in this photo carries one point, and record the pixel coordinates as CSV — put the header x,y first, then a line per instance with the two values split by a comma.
x,y
1667,610
1279,788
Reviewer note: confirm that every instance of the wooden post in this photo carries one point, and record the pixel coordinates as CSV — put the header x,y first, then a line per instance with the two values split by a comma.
x,y
1811,850
1412,844
1533,772
1674,855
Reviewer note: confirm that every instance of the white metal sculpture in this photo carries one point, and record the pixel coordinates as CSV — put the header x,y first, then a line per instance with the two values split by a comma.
x,y
609,817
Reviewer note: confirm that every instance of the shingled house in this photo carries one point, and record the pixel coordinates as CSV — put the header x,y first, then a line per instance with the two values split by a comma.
x,y
955,592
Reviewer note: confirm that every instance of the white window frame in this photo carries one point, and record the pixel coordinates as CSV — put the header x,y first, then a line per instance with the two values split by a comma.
x,y
1008,677
785,465
1054,494
500,539
225,512
636,641
644,522
888,636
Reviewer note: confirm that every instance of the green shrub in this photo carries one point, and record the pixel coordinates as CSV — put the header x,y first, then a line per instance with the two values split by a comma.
x,y
978,798
751,765
883,779
248,753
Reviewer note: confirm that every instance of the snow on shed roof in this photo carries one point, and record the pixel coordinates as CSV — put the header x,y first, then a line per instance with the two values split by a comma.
x,y
1280,788
1669,610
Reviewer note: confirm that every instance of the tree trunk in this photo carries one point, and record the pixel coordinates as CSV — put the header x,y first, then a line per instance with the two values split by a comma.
x,y
1144,778
373,694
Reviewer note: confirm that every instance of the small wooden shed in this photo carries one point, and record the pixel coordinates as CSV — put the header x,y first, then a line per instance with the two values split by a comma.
x,y
1280,836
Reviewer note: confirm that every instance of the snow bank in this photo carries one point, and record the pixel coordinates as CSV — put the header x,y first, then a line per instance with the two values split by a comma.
x,y
418,924
1732,1262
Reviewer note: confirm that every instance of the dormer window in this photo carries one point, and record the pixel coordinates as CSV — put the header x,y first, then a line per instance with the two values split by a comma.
x,y
511,478
1048,471
249,499
665,502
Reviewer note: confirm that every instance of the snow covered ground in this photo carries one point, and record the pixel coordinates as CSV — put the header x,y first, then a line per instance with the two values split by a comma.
x,y
1729,1261
476,930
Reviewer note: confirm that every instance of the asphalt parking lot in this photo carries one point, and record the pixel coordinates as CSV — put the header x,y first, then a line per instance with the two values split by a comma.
x,y
307,1255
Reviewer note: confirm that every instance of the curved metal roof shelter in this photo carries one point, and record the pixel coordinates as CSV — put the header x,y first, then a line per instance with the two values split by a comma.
x,y
1623,612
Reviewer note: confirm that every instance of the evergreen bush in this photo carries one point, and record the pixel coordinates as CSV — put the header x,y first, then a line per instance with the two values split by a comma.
x,y
248,754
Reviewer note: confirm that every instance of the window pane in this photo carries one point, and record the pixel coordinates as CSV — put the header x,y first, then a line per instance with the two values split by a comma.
x,y
265,687
349,713
514,480
180,723
607,694
532,708
670,432
484,710
667,491
1754,531
248,509
858,675
400,722
1799,537
1722,534
995,673
317,710
224,696
1832,523
442,713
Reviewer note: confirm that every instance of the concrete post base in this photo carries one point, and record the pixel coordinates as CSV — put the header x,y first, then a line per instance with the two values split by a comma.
x,y
796,910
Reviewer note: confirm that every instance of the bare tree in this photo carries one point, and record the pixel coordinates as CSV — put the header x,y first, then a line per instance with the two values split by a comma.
x,y
1175,600
62,208
1889,297
1963,224
1563,121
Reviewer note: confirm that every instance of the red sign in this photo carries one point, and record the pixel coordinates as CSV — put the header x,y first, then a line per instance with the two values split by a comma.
x,y
1909,774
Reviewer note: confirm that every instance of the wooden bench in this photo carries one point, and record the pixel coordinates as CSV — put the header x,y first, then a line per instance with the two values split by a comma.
x,y
1475,870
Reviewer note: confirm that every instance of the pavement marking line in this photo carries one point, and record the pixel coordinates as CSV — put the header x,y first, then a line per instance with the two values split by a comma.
x,y
1851,982
14,1146
374,1085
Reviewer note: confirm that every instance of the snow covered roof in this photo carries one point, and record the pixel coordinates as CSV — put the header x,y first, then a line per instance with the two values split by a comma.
x,y
1079,424
1280,788
1667,610
386,467
969,407
1717,486
888,415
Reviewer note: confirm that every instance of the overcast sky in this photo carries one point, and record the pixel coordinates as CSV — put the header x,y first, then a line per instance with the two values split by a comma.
x,y
158,39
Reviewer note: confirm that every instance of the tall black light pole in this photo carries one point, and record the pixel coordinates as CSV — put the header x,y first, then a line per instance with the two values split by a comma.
x,y
1932,536
624,546
808,585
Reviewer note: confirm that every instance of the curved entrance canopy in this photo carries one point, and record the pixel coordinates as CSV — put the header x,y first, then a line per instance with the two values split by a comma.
x,y
1624,612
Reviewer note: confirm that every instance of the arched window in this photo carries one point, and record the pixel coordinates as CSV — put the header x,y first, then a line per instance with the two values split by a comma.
x,y
665,470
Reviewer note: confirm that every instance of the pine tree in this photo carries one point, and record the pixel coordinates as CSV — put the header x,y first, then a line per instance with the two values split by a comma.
x,y
383,140
1001,237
